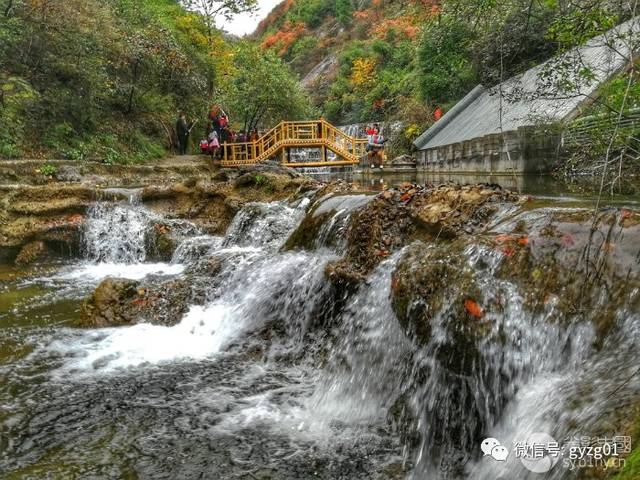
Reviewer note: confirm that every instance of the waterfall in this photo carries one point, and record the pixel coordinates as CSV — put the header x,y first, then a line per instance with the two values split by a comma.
x,y
276,365
115,232
367,362
264,224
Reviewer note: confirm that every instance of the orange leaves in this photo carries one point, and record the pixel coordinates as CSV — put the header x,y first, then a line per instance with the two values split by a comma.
x,y
473,308
283,39
404,25
504,238
508,243
161,229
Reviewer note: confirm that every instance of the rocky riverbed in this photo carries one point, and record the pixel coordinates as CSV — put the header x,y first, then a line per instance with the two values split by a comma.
x,y
261,324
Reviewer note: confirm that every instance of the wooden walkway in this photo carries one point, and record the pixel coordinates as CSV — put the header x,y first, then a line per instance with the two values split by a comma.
x,y
277,143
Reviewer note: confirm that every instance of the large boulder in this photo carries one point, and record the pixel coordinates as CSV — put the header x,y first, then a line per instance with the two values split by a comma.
x,y
111,304
574,263
117,302
434,284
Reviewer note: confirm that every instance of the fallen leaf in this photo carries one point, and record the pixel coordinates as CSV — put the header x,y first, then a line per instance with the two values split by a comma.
x,y
508,251
405,197
524,241
473,308
625,213
504,238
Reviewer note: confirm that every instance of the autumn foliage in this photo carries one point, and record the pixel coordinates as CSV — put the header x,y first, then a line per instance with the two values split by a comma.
x,y
282,40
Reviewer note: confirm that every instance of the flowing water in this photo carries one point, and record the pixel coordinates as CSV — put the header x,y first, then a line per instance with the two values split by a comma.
x,y
274,374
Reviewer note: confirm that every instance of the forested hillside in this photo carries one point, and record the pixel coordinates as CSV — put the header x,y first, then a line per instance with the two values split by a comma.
x,y
105,79
390,59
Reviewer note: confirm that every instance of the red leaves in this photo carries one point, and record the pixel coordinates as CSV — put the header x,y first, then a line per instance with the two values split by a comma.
x,y
504,238
473,308
508,243
508,251
625,213
406,197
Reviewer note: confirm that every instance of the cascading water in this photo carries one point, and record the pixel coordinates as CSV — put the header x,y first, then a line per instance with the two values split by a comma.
x,y
276,372
115,232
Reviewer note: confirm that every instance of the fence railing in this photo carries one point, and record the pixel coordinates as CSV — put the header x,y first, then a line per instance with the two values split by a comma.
x,y
298,134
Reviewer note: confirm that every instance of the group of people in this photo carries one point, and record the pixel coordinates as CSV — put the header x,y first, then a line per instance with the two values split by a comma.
x,y
217,133
375,145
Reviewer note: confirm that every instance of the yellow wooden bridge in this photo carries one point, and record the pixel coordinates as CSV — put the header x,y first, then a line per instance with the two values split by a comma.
x,y
278,142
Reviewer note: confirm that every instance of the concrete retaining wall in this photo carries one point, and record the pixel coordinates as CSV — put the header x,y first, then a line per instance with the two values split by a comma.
x,y
526,150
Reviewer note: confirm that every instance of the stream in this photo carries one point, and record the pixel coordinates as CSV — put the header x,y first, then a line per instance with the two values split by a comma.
x,y
271,374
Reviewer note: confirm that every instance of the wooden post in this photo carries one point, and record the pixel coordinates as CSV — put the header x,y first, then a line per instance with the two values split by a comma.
x,y
323,153
224,146
284,155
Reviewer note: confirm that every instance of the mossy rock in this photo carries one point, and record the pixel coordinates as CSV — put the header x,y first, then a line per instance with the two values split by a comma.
x,y
430,281
117,302
31,252
108,305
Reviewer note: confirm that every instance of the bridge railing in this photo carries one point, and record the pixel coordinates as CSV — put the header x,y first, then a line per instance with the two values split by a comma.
x,y
301,134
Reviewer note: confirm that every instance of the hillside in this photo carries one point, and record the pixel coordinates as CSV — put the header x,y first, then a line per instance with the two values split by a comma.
x,y
105,79
364,60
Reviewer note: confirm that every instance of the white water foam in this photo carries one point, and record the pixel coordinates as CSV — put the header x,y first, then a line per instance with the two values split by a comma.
x,y
95,272
203,332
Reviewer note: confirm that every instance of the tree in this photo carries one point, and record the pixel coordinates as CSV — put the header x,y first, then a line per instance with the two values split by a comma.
x,y
343,12
211,10
265,93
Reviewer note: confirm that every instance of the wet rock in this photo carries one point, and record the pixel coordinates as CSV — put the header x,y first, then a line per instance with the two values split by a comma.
x,y
68,173
116,302
31,252
161,242
110,305
573,264
433,283
449,210
396,217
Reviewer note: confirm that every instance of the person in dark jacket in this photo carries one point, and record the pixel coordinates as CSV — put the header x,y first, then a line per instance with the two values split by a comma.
x,y
182,130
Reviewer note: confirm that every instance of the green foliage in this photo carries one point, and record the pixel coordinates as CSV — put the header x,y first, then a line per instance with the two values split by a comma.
x,y
104,79
343,12
444,61
309,12
265,93
48,170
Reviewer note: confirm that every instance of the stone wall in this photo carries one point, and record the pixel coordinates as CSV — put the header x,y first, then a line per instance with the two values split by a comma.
x,y
525,150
